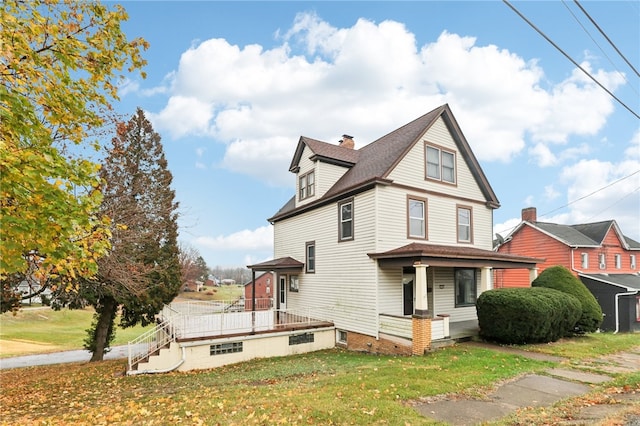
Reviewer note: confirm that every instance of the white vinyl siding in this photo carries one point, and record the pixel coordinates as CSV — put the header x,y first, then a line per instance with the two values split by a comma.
x,y
346,278
444,299
326,176
441,220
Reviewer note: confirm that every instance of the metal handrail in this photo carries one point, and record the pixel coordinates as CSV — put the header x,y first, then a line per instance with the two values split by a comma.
x,y
149,342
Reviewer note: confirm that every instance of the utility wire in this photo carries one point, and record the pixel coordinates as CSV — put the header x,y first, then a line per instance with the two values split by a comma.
x,y
592,193
611,205
507,231
571,59
599,47
605,36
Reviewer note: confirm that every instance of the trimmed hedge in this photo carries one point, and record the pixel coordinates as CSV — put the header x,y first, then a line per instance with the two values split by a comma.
x,y
526,315
561,279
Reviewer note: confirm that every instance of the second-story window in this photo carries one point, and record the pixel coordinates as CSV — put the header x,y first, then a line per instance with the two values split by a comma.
x,y
441,164
345,216
602,262
465,234
311,257
632,260
618,260
585,260
306,185
416,220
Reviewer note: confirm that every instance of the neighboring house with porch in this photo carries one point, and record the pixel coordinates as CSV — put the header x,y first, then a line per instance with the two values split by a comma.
x,y
392,242
598,253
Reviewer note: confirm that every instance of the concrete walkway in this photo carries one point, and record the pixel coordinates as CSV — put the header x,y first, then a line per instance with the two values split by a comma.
x,y
536,390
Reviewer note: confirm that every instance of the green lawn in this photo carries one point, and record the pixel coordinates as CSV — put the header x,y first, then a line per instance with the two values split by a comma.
x,y
37,330
321,388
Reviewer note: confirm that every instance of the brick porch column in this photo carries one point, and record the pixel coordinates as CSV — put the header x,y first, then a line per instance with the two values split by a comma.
x,y
421,334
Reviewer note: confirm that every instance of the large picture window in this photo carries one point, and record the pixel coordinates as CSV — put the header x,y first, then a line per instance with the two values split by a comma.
x,y
345,216
417,218
441,164
465,287
465,234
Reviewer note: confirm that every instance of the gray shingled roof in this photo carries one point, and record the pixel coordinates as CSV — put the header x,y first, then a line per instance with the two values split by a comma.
x,y
584,234
629,281
566,233
375,161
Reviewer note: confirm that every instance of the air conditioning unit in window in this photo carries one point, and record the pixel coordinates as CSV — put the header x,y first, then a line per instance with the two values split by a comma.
x,y
602,266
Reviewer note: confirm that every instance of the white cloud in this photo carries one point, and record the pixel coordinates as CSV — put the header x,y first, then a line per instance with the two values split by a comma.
x,y
366,80
245,240
600,190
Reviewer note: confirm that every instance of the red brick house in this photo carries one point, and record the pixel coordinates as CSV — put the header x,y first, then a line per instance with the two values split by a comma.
x,y
598,253
264,287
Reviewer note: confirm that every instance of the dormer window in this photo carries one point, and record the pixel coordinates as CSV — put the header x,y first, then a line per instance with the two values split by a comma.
x,y
441,164
307,185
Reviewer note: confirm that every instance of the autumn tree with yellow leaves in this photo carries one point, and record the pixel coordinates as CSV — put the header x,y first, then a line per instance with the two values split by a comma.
x,y
60,66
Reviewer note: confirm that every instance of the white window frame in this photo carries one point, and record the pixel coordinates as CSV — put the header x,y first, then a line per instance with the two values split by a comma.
x,y
584,260
460,225
602,261
632,260
310,264
306,185
343,221
435,168
411,219
618,261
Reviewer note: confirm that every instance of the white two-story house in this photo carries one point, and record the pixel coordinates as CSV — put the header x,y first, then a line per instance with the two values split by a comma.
x,y
392,241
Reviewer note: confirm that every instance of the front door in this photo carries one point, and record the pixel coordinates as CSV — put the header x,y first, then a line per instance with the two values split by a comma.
x,y
282,290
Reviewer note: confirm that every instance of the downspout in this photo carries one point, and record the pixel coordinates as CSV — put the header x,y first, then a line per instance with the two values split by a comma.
x,y
164,370
630,293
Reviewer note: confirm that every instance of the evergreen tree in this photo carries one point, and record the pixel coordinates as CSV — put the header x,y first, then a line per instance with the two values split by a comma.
x,y
142,271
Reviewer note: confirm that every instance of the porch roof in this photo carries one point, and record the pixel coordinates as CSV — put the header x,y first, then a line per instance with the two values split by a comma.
x,y
280,264
439,255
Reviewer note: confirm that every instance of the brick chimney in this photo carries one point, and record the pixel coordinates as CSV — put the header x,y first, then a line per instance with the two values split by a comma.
x,y
529,214
347,142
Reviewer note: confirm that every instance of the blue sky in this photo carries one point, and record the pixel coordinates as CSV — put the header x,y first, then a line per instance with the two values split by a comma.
x,y
231,86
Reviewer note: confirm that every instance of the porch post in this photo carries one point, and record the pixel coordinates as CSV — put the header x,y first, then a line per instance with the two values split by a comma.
x,y
421,320
533,274
422,303
485,279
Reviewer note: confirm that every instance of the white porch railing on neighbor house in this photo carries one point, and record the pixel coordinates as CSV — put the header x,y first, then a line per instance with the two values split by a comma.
x,y
400,326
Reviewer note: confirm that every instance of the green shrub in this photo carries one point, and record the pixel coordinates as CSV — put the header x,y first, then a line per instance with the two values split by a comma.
x,y
560,278
526,315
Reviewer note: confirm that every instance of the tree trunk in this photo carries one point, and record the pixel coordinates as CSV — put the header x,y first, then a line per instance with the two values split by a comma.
x,y
104,327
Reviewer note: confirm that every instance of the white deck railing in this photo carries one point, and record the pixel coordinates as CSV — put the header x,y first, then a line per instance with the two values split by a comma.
x,y
203,319
149,342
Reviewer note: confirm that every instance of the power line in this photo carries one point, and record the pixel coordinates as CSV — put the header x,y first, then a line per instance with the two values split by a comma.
x,y
605,36
592,193
617,202
570,58
599,47
507,231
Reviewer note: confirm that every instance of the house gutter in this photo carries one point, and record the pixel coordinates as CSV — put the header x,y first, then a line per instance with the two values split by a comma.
x,y
630,293
160,371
